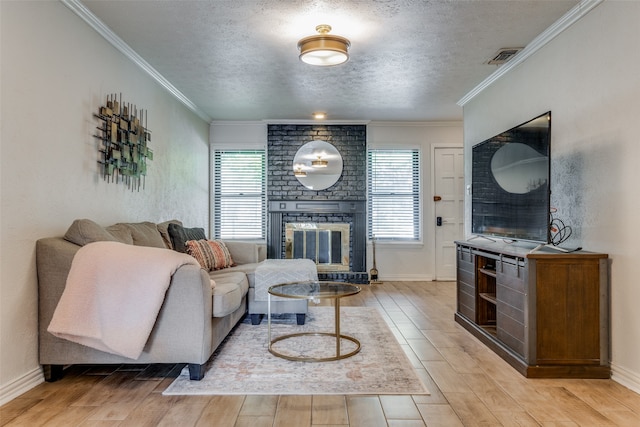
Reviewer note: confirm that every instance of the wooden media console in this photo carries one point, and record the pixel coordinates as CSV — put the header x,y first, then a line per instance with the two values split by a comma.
x,y
546,313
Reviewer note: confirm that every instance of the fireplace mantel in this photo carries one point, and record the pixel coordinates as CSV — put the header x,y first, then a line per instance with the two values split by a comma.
x,y
355,210
317,206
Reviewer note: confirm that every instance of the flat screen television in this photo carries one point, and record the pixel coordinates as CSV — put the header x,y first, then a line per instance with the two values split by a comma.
x,y
510,192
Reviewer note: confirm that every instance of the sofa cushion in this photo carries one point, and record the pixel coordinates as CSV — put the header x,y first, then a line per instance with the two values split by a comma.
x,y
248,269
145,234
211,255
84,231
228,292
121,233
179,236
163,228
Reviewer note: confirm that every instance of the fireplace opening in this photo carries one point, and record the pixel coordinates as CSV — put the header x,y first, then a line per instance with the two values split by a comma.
x,y
325,244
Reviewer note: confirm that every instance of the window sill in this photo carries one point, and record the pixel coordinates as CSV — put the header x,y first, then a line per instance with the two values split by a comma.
x,y
398,244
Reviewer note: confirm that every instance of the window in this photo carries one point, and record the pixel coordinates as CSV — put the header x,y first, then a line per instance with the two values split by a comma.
x,y
239,194
393,180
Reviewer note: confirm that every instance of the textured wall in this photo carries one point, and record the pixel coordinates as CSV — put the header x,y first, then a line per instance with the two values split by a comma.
x,y
49,170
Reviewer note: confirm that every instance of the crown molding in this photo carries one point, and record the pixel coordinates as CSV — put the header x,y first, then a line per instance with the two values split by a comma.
x,y
87,16
568,19
238,122
435,123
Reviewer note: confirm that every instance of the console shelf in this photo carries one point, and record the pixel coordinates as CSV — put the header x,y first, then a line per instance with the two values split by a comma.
x,y
545,313
489,297
488,272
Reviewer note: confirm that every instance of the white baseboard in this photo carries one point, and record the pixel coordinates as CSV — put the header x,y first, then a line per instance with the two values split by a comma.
x,y
21,385
629,379
406,278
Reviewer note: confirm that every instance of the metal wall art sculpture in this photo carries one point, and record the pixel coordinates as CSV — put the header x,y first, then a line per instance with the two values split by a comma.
x,y
124,141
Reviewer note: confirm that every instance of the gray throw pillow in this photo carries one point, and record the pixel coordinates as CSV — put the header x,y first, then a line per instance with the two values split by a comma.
x,y
163,228
180,235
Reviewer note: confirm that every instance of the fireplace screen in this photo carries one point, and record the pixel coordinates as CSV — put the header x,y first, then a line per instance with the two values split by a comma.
x,y
325,244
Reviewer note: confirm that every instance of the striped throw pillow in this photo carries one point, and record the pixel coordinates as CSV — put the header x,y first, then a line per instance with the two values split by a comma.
x,y
210,254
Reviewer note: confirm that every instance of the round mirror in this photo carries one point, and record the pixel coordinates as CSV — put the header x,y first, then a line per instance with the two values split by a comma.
x,y
317,165
519,168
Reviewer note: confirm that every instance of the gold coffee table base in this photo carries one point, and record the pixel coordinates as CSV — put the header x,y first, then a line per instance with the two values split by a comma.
x,y
312,291
338,356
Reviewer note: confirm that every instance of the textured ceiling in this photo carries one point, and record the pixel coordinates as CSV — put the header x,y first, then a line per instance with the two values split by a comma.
x,y
411,60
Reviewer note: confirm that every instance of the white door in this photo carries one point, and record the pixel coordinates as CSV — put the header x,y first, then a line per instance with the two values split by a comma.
x,y
448,170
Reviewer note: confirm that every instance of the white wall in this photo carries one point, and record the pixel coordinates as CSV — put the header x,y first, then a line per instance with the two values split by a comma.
x,y
412,261
588,78
239,135
56,72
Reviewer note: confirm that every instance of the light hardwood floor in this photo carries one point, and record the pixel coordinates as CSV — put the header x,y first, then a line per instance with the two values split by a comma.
x,y
469,385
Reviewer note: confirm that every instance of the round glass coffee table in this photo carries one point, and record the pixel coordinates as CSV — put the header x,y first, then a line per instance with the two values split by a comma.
x,y
314,291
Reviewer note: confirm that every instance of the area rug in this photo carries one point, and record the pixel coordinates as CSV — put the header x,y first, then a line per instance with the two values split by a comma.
x,y
242,365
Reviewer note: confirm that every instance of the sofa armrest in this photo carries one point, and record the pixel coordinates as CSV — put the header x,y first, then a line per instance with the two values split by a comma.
x,y
183,326
242,252
53,260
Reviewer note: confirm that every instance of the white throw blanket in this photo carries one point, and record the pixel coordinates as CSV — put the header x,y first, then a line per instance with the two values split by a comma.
x,y
113,294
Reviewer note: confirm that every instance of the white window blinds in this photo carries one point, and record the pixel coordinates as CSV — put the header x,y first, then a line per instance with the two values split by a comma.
x,y
393,180
239,194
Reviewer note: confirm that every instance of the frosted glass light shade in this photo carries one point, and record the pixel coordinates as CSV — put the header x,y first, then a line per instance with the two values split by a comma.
x,y
324,49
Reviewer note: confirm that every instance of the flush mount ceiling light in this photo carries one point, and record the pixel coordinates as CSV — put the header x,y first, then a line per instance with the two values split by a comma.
x,y
299,172
319,115
324,49
319,163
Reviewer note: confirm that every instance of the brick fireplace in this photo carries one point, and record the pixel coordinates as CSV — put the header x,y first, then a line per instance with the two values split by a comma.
x,y
342,204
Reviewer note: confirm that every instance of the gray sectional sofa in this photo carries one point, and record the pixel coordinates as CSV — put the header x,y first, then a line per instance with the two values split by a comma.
x,y
193,320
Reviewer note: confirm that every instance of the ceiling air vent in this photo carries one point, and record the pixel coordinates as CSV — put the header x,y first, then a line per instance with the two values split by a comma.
x,y
503,55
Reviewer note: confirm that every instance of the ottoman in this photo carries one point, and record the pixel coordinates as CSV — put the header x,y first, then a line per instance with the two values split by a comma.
x,y
275,272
